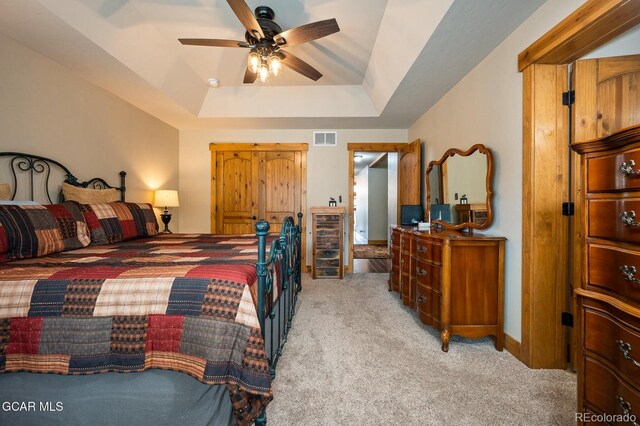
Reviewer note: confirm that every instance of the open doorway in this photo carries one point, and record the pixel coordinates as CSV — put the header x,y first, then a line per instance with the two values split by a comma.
x,y
404,184
374,207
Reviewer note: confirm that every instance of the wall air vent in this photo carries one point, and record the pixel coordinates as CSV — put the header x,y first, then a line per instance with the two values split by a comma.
x,y
325,138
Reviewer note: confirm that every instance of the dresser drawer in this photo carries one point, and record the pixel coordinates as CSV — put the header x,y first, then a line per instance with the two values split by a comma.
x,y
323,219
421,272
428,249
405,263
604,174
424,302
612,269
606,392
605,219
395,237
615,338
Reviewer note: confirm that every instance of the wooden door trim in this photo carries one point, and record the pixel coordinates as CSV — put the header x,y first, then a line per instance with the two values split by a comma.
x,y
364,147
275,146
590,26
215,148
587,28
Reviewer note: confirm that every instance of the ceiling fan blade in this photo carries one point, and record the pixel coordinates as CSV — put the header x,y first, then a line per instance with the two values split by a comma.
x,y
213,42
308,32
244,14
300,66
249,77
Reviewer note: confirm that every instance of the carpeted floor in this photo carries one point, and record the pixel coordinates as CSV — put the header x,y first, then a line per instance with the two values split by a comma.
x,y
370,251
357,356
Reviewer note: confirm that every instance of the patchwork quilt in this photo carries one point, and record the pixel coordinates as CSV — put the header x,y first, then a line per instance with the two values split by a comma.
x,y
180,302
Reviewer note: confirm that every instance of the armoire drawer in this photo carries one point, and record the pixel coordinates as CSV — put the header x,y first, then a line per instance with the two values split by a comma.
x,y
616,339
616,270
615,219
605,174
608,393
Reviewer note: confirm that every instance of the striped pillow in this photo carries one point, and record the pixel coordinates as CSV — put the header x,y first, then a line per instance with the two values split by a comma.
x,y
36,230
118,221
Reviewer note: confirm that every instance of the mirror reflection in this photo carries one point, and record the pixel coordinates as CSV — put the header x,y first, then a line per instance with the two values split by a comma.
x,y
457,189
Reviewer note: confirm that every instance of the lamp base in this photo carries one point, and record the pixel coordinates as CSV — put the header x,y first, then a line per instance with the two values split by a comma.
x,y
166,218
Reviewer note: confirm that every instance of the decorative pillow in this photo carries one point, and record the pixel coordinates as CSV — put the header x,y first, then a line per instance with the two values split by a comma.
x,y
32,231
89,196
5,191
119,221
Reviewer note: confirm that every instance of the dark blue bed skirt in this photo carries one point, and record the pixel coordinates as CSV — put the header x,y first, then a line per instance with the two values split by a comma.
x,y
153,397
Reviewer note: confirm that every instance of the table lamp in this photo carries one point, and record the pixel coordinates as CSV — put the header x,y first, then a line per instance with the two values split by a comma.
x,y
166,198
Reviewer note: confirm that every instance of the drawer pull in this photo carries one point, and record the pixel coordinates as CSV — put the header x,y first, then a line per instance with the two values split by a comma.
x,y
421,272
626,410
625,350
422,249
629,273
627,218
422,299
626,168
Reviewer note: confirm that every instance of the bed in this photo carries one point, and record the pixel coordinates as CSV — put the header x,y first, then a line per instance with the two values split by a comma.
x,y
197,321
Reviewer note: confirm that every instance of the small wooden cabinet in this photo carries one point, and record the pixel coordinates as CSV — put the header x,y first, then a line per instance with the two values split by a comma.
x,y
328,242
455,281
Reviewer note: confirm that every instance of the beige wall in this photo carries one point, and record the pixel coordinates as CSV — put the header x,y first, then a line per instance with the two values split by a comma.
x,y
46,110
486,107
327,167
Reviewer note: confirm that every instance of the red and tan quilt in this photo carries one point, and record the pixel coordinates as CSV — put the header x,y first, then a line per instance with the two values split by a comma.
x,y
180,302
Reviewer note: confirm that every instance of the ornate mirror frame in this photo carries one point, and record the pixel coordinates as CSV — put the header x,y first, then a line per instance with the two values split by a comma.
x,y
489,186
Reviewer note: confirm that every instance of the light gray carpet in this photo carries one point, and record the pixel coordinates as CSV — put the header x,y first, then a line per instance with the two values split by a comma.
x,y
357,356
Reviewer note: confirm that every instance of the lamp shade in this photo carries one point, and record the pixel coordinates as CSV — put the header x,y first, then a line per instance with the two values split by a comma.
x,y
166,198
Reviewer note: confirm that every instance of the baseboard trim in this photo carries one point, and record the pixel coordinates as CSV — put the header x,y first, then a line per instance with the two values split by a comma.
x,y
513,347
377,242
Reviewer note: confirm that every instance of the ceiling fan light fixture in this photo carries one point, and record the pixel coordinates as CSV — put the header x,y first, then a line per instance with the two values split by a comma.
x,y
275,64
263,72
253,61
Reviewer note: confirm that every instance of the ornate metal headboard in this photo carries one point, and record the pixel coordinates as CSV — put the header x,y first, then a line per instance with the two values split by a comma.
x,y
36,172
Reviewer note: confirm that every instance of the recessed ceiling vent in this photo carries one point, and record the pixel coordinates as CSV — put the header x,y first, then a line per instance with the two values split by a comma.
x,y
325,138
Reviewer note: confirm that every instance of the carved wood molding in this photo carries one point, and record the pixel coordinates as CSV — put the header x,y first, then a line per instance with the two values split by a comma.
x,y
590,26
489,185
618,139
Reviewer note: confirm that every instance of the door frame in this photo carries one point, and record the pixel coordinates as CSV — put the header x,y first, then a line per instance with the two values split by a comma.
x,y
352,148
544,135
269,146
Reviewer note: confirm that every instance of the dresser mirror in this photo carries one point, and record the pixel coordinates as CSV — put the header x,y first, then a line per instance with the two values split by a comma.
x,y
459,189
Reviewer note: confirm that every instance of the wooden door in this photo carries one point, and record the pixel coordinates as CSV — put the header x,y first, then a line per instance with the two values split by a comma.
x,y
607,96
280,180
250,182
409,175
236,188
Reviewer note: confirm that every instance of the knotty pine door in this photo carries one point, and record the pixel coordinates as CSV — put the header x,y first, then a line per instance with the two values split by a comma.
x,y
256,181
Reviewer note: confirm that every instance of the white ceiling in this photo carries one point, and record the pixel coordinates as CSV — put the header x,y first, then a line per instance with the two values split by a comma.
x,y
390,62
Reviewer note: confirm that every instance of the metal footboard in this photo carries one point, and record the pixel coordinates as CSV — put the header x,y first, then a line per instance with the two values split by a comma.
x,y
279,279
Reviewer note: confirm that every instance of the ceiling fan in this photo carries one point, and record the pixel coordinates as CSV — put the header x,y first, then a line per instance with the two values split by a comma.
x,y
265,38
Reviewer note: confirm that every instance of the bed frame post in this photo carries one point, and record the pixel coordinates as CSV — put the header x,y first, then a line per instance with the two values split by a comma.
x,y
299,255
123,188
262,229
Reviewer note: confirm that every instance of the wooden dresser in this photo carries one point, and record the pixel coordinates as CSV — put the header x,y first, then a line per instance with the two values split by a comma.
x,y
608,300
455,281
328,242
